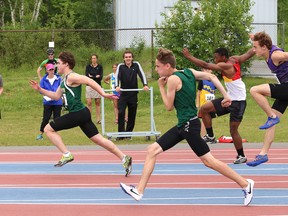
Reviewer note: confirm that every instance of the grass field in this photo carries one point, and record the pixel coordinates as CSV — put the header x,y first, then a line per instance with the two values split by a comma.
x,y
21,109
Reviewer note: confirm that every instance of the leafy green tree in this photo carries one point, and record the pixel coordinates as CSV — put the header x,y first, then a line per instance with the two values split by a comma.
x,y
216,23
93,14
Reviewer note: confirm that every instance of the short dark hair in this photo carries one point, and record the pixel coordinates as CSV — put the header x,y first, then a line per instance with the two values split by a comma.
x,y
222,52
128,51
67,57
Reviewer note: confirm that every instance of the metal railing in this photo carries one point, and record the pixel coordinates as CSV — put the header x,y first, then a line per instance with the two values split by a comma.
x,y
146,134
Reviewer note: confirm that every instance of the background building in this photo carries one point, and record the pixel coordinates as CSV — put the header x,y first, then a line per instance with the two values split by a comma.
x,y
134,14
135,19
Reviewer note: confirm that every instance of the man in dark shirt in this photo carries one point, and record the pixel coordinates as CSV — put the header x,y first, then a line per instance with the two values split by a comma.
x,y
126,78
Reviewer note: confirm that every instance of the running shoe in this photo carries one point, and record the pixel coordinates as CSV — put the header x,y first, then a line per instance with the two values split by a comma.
x,y
39,137
127,164
64,160
240,159
259,159
248,192
131,191
210,140
270,122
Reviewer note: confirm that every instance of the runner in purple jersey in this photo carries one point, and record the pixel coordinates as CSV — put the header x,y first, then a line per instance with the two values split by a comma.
x,y
277,61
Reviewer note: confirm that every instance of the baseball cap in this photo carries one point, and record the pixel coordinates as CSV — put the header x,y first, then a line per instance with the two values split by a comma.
x,y
50,51
50,66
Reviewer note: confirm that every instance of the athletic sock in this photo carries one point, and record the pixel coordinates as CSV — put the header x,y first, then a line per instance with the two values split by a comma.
x,y
210,132
67,154
241,152
123,159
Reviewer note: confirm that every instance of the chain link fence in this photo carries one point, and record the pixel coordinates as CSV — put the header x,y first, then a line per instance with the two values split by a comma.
x,y
27,46
277,33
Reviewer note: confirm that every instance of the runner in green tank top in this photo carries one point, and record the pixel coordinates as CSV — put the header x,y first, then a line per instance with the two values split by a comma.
x,y
72,96
78,115
186,108
181,95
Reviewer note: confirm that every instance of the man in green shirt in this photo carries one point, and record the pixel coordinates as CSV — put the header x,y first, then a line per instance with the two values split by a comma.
x,y
181,95
79,114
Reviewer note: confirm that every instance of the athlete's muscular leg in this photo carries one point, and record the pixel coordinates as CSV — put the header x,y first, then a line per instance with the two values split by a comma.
x,y
269,136
205,110
237,139
55,138
259,94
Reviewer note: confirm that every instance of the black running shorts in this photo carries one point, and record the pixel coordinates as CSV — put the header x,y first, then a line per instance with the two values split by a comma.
x,y
280,93
236,109
190,132
81,118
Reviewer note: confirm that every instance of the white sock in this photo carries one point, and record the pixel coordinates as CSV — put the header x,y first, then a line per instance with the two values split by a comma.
x,y
67,154
248,186
123,159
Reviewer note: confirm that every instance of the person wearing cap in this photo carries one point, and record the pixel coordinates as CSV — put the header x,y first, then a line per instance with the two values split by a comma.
x,y
49,60
51,82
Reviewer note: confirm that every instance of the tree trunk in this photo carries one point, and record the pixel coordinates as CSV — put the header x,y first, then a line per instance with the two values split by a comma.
x,y
36,10
12,11
21,12
2,14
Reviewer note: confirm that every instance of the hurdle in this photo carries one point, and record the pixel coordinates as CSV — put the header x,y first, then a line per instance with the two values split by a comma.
x,y
146,134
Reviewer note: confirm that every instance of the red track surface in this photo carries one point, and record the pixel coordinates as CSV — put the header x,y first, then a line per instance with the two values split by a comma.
x,y
179,156
140,210
159,181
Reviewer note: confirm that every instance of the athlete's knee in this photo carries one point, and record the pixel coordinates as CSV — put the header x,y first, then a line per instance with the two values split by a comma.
x,y
208,162
207,108
203,110
261,89
253,90
234,128
153,149
48,129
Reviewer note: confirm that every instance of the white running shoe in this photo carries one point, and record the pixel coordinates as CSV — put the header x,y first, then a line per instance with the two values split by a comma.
x,y
248,192
131,191
240,159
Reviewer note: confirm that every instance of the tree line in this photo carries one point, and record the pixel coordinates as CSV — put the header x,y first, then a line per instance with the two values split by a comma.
x,y
35,14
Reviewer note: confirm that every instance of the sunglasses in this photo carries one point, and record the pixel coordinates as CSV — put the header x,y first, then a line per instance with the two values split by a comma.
x,y
50,54
51,69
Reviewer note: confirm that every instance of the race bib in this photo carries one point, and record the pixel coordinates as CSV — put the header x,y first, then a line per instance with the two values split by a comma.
x,y
209,97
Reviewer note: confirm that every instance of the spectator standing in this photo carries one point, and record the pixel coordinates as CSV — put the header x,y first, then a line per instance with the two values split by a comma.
x,y
110,80
95,72
126,78
50,82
